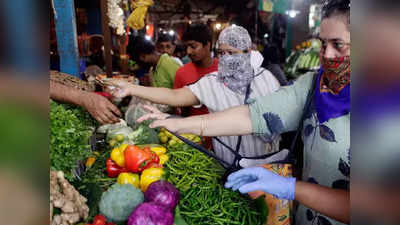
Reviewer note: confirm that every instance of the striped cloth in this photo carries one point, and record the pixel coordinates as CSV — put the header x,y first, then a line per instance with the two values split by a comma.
x,y
218,97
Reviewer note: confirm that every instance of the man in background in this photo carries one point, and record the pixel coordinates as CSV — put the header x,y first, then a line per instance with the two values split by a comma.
x,y
198,42
164,66
166,44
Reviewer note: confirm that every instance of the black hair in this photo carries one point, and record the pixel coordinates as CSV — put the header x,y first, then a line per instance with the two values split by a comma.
x,y
336,8
139,45
180,48
166,37
198,32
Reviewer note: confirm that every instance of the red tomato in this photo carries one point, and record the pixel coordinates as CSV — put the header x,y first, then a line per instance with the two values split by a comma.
x,y
99,220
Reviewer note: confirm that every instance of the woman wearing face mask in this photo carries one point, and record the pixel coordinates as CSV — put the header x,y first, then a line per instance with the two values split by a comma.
x,y
239,72
323,192
239,75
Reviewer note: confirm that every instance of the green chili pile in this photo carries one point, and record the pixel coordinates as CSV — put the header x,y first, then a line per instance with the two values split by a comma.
x,y
204,199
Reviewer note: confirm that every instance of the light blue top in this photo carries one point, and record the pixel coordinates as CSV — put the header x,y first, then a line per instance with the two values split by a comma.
x,y
326,145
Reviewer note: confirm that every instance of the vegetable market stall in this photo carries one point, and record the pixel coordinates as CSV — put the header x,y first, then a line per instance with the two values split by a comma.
x,y
304,59
121,172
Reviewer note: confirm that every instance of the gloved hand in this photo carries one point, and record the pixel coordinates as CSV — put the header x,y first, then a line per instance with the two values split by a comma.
x,y
260,179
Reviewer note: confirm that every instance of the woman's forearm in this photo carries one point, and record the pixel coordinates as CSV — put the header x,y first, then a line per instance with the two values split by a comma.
x,y
333,203
234,121
173,97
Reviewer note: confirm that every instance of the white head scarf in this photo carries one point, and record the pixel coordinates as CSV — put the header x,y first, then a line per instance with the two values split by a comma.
x,y
236,71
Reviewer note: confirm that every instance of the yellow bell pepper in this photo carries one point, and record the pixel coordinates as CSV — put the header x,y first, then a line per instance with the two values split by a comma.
x,y
163,158
118,157
90,161
129,178
123,147
158,150
149,176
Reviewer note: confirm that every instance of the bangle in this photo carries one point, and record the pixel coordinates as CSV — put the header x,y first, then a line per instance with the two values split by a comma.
x,y
202,126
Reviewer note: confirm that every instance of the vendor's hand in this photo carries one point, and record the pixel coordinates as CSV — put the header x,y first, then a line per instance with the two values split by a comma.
x,y
260,179
100,108
121,88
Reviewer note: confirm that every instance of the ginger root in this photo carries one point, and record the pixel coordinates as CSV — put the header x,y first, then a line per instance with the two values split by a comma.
x,y
66,198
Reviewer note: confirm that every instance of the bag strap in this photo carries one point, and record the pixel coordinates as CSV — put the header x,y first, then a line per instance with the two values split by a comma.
x,y
307,106
228,166
238,157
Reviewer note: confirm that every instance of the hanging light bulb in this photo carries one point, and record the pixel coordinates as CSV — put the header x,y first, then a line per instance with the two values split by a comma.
x,y
171,32
292,13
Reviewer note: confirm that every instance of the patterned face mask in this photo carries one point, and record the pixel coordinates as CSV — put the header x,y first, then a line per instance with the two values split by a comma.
x,y
336,74
235,71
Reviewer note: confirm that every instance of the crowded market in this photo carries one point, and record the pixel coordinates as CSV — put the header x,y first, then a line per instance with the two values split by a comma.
x,y
199,112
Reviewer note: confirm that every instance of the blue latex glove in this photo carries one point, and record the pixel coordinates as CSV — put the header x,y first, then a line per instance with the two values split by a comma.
x,y
260,179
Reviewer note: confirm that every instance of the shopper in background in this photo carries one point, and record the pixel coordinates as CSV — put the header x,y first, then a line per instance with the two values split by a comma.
x,y
164,66
198,42
166,44
96,48
239,78
272,57
238,72
180,52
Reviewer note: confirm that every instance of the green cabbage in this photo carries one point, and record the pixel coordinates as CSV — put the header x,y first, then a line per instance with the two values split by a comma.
x,y
144,135
118,202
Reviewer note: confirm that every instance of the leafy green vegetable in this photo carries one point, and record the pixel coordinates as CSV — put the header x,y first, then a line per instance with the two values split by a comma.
x,y
94,182
144,135
118,202
70,130
178,219
204,200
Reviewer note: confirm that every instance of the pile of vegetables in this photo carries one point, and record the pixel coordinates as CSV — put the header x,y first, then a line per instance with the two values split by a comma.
x,y
144,135
100,220
67,206
161,199
132,180
304,59
123,202
171,140
123,134
128,161
119,201
204,199
70,131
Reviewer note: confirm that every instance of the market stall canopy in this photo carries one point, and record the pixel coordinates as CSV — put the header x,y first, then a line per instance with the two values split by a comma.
x,y
177,11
